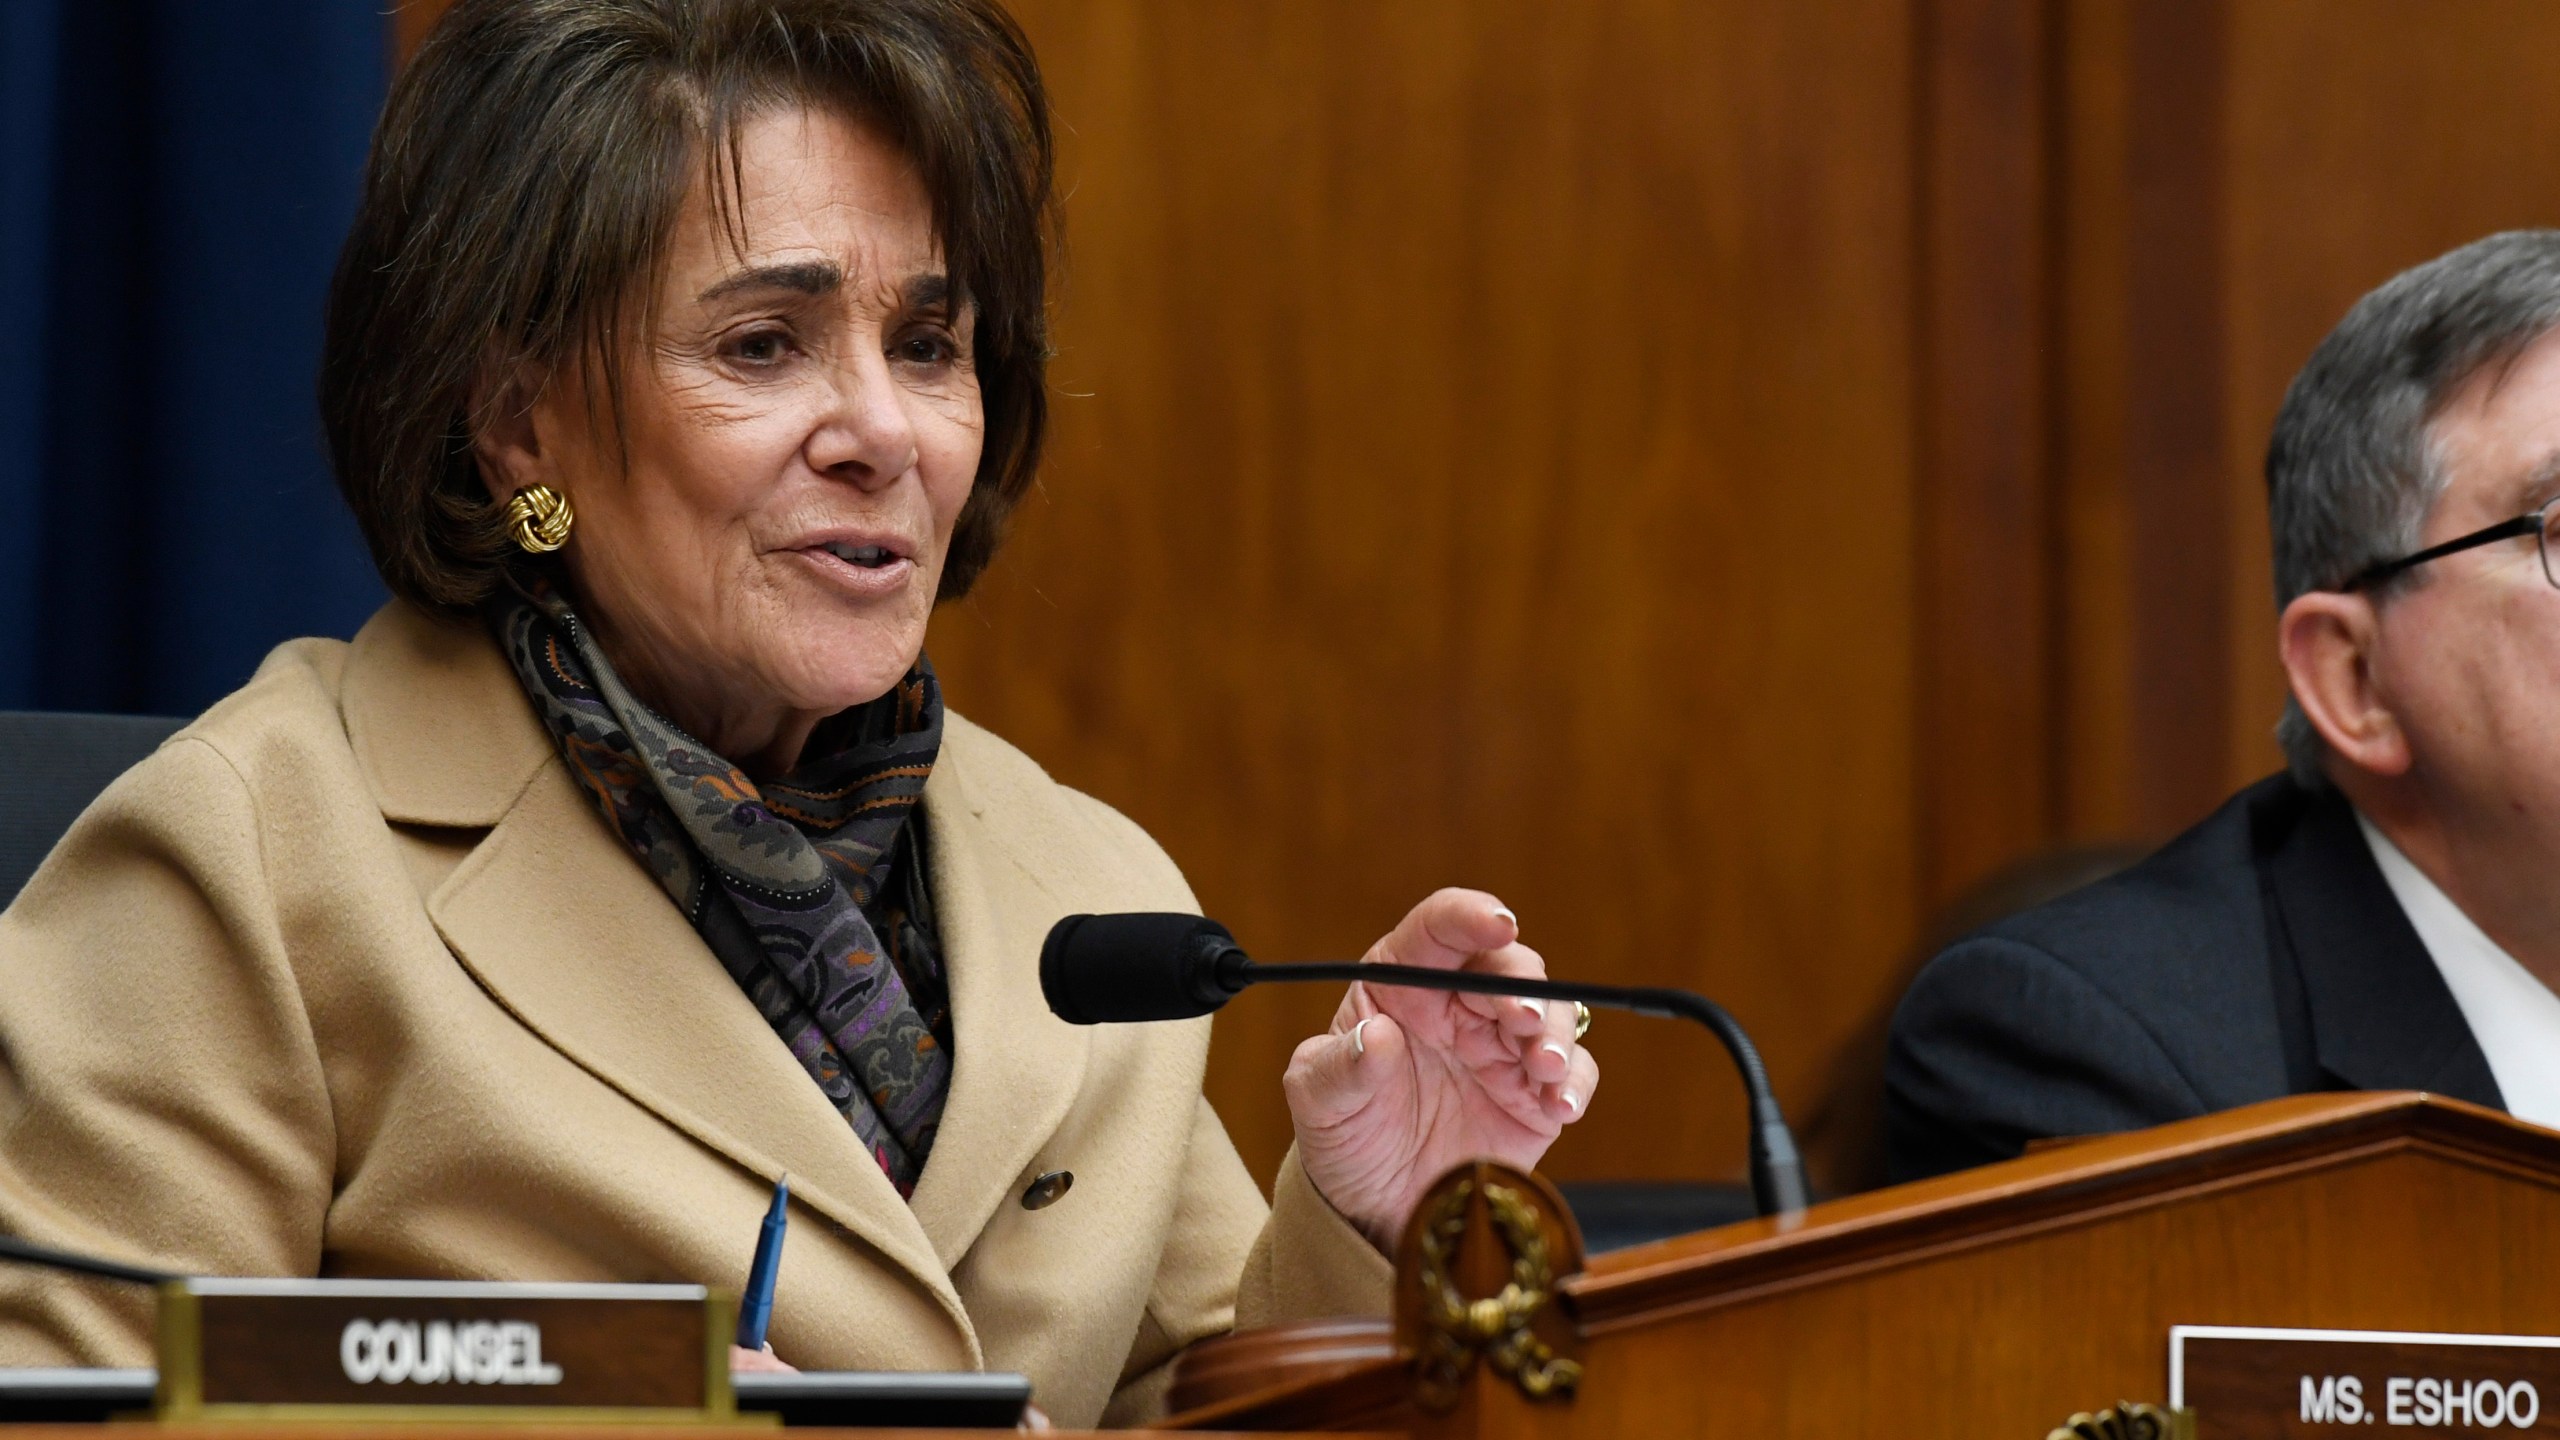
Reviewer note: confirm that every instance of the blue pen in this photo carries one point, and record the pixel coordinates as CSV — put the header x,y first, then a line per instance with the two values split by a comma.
x,y
755,1308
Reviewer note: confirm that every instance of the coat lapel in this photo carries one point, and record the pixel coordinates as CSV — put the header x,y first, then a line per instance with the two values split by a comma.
x,y
568,932
2381,1015
1015,1066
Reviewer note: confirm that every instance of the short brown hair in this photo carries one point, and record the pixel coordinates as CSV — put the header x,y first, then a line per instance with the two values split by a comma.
x,y
525,181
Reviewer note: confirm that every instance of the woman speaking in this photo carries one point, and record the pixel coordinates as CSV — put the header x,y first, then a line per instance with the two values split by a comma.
x,y
683,355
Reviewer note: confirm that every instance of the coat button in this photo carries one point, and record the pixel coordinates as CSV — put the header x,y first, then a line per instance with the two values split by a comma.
x,y
1045,1191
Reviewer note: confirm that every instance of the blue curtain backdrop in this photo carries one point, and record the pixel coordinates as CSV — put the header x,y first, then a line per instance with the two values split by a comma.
x,y
175,178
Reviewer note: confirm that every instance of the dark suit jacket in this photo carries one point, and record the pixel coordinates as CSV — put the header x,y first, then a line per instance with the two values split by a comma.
x,y
2259,954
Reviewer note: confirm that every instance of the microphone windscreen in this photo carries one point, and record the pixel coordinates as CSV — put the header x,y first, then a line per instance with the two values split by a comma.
x,y
1111,969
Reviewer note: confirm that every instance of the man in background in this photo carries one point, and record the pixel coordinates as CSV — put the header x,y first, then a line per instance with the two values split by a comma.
x,y
2385,914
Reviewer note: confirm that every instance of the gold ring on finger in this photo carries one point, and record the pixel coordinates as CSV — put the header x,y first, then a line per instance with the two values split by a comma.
x,y
1581,1019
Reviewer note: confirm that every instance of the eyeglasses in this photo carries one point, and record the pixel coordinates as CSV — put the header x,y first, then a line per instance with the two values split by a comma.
x,y
2539,525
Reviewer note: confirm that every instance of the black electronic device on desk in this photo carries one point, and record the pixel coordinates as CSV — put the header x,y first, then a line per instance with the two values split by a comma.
x,y
846,1398
957,1400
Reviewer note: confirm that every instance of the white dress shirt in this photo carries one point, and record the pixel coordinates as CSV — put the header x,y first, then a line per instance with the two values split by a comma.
x,y
2514,1016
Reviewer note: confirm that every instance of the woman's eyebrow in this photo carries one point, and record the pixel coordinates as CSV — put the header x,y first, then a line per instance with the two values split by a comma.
x,y
928,291
809,277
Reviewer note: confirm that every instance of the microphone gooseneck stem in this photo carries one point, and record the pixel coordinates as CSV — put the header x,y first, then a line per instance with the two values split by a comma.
x,y
1777,1171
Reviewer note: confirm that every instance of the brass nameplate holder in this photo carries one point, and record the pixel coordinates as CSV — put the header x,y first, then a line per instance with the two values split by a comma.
x,y
2245,1382
444,1351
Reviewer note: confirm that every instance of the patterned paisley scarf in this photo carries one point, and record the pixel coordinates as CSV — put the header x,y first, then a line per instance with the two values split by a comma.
x,y
793,884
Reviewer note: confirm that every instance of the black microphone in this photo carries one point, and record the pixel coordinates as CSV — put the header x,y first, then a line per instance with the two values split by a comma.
x,y
1112,969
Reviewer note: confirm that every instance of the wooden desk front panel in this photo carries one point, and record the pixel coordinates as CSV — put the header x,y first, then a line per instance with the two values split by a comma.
x,y
2008,1333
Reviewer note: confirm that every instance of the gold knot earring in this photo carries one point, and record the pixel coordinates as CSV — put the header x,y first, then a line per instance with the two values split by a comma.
x,y
539,518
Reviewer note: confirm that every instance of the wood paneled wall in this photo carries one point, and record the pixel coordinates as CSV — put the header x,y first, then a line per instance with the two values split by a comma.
x,y
1725,476
1485,455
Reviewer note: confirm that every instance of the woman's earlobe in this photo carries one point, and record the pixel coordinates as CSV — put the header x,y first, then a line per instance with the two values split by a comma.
x,y
2327,640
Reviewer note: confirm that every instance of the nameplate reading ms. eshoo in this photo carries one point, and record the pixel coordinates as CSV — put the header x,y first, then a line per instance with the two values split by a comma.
x,y
2244,1383
448,1350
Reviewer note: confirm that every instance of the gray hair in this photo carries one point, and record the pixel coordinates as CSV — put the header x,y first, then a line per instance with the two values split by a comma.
x,y
2351,469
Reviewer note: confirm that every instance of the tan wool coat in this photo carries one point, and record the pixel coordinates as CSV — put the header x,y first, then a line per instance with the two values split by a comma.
x,y
348,979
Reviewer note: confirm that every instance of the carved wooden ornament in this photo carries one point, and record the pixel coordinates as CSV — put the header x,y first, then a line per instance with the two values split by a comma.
x,y
1475,1281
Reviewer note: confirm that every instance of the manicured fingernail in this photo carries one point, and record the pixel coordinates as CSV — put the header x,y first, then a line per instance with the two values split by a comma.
x,y
1505,912
1359,1046
1573,1102
1557,1051
1535,1007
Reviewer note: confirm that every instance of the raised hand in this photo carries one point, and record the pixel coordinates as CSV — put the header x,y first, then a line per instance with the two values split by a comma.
x,y
1408,1083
